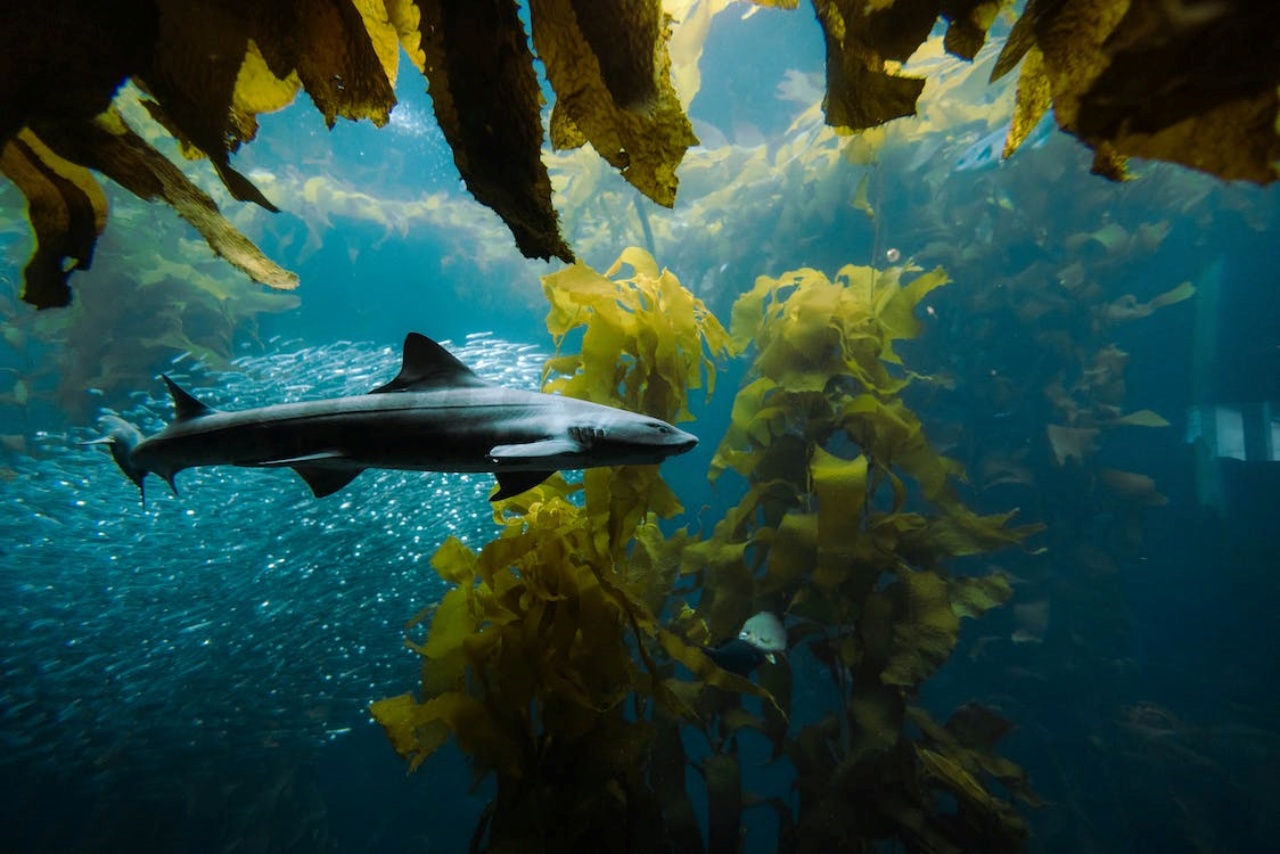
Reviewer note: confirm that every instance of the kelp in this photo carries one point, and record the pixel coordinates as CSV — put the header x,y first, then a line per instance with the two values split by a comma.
x,y
549,662
829,532
485,93
67,210
1168,81
1139,78
530,661
644,139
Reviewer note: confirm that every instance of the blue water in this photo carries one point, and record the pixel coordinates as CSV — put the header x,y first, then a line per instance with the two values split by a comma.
x,y
192,674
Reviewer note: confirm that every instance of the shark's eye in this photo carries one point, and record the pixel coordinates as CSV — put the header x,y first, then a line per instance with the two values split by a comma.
x,y
664,429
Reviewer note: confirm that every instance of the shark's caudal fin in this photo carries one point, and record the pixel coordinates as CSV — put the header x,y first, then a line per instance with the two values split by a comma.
x,y
122,437
428,366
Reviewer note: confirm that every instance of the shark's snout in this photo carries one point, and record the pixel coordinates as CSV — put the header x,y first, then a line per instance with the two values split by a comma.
x,y
684,441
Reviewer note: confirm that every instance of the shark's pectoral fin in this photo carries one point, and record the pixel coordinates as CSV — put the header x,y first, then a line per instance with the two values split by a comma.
x,y
325,481
515,482
531,450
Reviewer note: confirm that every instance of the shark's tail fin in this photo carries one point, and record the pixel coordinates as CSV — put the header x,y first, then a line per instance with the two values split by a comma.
x,y
122,437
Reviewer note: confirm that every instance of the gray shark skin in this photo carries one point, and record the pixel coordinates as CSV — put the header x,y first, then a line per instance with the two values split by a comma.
x,y
436,415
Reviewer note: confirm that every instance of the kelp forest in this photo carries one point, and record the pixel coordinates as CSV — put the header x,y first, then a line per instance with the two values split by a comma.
x,y
914,376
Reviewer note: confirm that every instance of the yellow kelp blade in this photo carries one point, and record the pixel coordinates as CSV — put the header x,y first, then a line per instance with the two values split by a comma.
x,y
486,99
67,210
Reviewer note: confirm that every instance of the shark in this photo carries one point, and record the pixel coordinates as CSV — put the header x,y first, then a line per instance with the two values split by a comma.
x,y
435,415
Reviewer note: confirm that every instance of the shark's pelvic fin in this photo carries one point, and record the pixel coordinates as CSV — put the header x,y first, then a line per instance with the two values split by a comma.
x,y
185,407
531,450
427,366
515,482
325,481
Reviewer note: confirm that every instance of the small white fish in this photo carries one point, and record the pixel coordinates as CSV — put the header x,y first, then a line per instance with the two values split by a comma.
x,y
766,633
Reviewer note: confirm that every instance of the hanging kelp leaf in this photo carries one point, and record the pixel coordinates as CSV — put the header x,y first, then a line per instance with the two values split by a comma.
x,y
67,210
1160,80
970,20
647,144
111,147
65,59
860,92
621,35
486,99
1035,94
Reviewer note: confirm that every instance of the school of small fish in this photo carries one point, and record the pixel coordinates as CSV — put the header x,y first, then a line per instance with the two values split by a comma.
x,y
239,617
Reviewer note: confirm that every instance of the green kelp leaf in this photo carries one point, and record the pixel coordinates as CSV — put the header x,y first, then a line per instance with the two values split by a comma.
x,y
737,449
748,313
724,802
969,741
648,339
453,622
973,596
486,99
792,554
413,735
860,93
454,561
876,713
953,776
841,488
925,628
646,145
67,210
1195,95
1034,97
895,309
667,770
960,531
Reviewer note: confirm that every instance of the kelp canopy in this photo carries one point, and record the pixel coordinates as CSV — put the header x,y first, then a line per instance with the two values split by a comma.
x,y
1194,83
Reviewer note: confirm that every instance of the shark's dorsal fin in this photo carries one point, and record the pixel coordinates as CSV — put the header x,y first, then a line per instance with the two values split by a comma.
x,y
429,366
185,407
